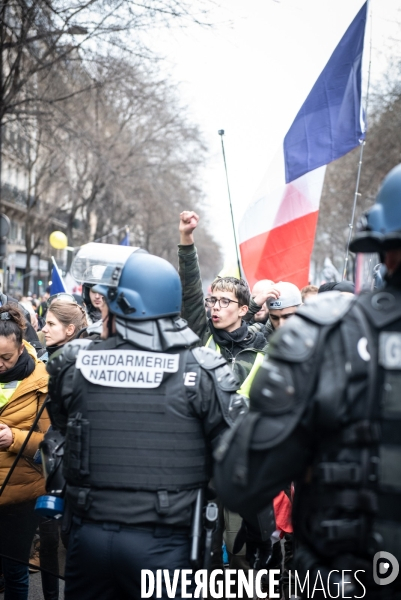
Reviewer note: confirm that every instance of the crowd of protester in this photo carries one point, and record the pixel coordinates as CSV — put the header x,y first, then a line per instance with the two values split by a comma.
x,y
233,320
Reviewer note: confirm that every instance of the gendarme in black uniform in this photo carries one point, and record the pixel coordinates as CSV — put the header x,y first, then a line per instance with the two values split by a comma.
x,y
141,413
326,413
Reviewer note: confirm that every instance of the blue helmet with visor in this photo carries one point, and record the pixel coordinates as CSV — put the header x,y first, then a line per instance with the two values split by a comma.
x,y
379,230
137,286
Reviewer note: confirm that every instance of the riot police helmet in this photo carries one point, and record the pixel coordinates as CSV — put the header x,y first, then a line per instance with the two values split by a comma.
x,y
149,288
379,228
137,286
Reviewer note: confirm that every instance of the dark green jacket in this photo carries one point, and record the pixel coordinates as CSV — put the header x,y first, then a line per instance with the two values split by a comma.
x,y
241,356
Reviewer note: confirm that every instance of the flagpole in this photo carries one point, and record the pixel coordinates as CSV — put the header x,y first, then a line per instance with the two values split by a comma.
x,y
358,177
221,133
351,225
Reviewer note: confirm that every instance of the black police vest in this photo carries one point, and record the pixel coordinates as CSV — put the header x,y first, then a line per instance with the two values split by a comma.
x,y
134,438
350,504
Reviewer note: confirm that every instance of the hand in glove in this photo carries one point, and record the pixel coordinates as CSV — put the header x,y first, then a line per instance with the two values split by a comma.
x,y
258,553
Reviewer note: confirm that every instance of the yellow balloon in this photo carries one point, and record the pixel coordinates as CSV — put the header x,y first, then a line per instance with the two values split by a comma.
x,y
58,240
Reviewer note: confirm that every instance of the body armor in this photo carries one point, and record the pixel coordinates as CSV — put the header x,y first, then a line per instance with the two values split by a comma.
x,y
135,429
168,451
334,370
350,504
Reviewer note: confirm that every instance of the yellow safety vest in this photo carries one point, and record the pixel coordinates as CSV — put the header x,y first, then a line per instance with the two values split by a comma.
x,y
6,392
246,384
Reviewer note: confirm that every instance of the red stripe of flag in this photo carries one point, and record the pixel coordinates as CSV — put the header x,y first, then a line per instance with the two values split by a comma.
x,y
280,252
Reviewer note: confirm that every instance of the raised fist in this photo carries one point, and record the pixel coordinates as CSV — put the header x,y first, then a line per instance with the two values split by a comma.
x,y
188,222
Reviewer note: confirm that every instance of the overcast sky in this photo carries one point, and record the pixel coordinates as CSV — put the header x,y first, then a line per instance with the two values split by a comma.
x,y
249,75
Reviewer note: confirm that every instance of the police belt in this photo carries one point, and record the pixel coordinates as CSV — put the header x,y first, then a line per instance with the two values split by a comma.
x,y
158,529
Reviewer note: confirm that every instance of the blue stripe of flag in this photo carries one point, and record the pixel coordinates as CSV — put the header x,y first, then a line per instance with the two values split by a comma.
x,y
57,285
328,124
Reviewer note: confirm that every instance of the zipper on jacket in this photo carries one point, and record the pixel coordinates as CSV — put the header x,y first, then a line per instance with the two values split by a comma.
x,y
234,358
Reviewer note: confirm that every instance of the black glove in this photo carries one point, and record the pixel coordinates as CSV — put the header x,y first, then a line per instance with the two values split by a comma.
x,y
258,553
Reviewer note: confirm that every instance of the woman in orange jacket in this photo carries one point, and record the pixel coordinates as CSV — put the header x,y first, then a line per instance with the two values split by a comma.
x,y
23,389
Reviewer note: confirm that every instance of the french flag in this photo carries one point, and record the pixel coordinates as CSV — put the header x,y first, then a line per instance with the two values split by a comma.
x,y
277,231
57,285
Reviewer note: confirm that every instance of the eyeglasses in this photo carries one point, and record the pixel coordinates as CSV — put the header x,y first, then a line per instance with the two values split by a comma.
x,y
223,302
63,296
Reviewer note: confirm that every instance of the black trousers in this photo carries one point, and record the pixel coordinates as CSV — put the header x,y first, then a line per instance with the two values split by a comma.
x,y
49,542
104,562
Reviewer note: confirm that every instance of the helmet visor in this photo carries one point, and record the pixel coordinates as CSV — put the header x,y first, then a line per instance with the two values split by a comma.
x,y
100,263
368,272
